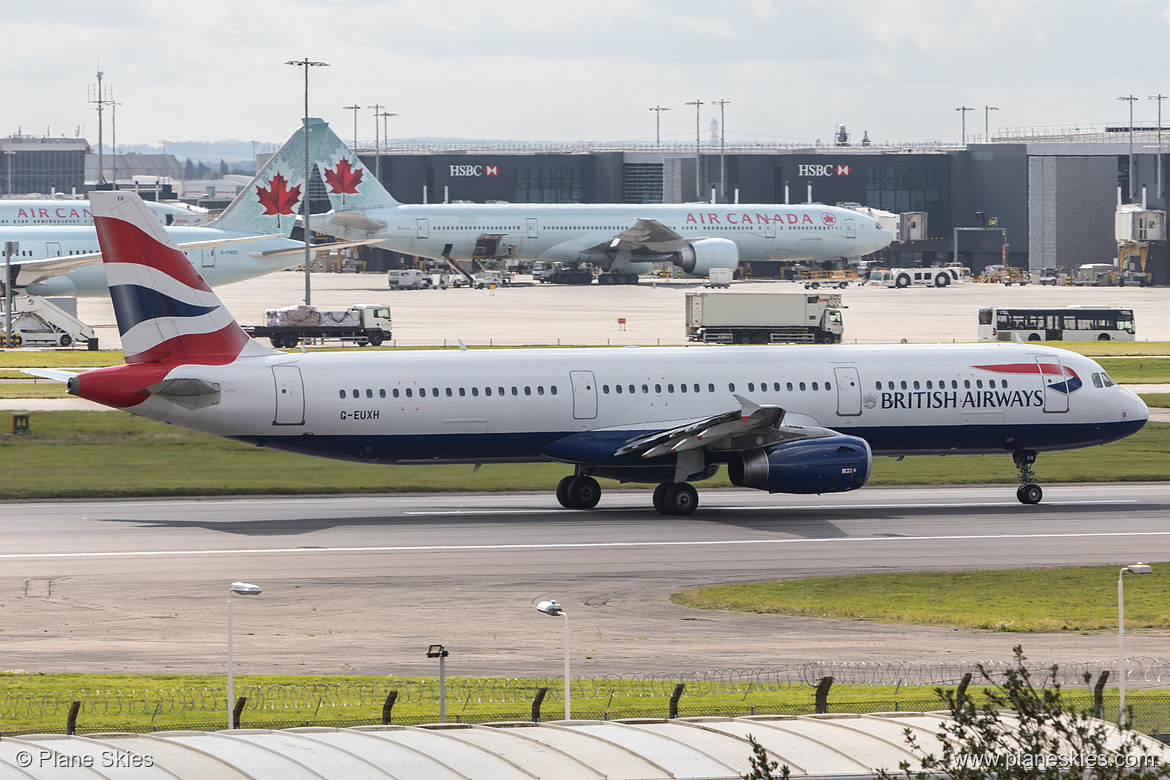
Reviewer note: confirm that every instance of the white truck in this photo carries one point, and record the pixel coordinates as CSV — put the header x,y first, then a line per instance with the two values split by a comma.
x,y
763,318
366,324
46,322
920,277
409,279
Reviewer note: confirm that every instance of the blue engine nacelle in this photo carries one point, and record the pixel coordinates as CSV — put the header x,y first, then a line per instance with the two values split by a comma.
x,y
700,256
831,464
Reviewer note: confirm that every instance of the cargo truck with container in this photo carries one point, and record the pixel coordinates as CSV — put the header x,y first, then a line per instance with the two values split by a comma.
x,y
763,318
365,324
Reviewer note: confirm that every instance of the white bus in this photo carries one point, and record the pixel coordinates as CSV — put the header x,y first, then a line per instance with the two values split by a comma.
x,y
920,277
1074,323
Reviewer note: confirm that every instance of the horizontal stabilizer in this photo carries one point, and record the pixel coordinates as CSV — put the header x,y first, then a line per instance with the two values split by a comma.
x,y
50,373
188,393
357,221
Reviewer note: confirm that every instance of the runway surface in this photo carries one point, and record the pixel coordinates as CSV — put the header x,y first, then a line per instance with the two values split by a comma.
x,y
366,583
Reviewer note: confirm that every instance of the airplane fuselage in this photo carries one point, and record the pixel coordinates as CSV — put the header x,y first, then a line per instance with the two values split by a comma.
x,y
581,405
218,264
573,232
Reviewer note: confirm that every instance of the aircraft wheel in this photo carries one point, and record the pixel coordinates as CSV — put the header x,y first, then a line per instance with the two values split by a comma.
x,y
680,498
633,278
1029,494
660,497
563,492
605,279
584,492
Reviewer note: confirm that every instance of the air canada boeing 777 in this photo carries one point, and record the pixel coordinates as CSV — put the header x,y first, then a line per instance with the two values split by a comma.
x,y
801,419
623,239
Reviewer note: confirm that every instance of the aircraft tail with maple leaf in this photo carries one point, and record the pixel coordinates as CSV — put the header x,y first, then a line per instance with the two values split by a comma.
x,y
351,186
271,201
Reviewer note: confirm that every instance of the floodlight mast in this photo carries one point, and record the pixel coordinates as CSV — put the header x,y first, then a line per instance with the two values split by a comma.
x,y
555,609
244,589
1137,568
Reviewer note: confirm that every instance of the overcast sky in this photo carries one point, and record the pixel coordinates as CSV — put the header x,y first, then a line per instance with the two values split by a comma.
x,y
532,70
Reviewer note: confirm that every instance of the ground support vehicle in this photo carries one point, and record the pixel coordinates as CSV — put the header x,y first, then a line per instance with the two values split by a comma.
x,y
820,278
920,277
44,322
763,318
409,279
366,324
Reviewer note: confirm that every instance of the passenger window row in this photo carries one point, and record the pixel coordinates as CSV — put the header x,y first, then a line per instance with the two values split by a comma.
x,y
942,384
683,387
462,392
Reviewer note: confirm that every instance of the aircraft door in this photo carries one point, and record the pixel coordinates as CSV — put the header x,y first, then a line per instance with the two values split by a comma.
x,y
584,395
848,391
209,258
1056,384
290,395
533,227
52,249
770,229
850,228
423,228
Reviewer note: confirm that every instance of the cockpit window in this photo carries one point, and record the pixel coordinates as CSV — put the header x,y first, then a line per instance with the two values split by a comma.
x,y
1108,379
1097,380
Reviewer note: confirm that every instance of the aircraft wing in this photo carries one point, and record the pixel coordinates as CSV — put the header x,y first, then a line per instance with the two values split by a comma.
x,y
317,248
750,427
32,271
645,236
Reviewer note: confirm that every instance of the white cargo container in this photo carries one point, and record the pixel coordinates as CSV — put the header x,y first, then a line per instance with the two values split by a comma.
x,y
763,318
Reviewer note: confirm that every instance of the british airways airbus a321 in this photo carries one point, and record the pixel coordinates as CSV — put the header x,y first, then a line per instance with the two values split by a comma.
x,y
800,419
624,239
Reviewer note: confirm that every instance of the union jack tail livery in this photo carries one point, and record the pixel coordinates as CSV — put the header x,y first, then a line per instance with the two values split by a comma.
x,y
166,312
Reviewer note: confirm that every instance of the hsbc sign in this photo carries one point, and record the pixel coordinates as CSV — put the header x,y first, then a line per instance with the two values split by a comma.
x,y
822,170
474,170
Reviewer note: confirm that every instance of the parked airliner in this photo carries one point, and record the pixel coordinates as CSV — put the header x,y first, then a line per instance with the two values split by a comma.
x,y
625,239
801,419
250,238
52,211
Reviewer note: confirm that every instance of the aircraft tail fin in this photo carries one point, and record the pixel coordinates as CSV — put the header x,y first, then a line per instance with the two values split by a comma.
x,y
271,201
166,312
350,184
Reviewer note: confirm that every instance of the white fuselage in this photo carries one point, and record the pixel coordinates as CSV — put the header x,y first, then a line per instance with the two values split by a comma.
x,y
42,211
573,232
540,404
218,264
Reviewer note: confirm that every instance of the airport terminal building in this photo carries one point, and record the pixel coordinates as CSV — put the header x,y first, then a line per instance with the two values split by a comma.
x,y
1041,198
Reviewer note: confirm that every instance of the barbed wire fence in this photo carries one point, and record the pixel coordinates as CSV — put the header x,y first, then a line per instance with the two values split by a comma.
x,y
346,701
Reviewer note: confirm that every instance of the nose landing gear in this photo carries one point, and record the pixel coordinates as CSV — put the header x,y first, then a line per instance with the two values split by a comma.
x,y
1028,492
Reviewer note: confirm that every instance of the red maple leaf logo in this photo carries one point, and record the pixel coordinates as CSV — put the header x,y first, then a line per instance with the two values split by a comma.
x,y
280,198
344,179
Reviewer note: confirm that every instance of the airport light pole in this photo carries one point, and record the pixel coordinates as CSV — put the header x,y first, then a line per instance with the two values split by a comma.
x,y
698,104
354,109
377,143
438,651
1158,171
555,609
385,131
244,589
658,124
722,158
306,63
10,248
987,122
1130,99
1137,568
963,113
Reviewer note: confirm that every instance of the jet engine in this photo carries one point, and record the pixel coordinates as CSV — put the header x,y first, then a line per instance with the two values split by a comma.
x,y
700,256
830,464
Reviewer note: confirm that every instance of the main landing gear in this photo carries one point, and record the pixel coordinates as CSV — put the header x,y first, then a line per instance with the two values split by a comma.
x,y
1028,492
581,491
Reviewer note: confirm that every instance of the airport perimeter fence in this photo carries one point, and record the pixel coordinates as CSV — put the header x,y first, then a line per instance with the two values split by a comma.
x,y
727,692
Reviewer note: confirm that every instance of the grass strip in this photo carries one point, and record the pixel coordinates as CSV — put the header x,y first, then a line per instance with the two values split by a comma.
x,y
1080,599
112,455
